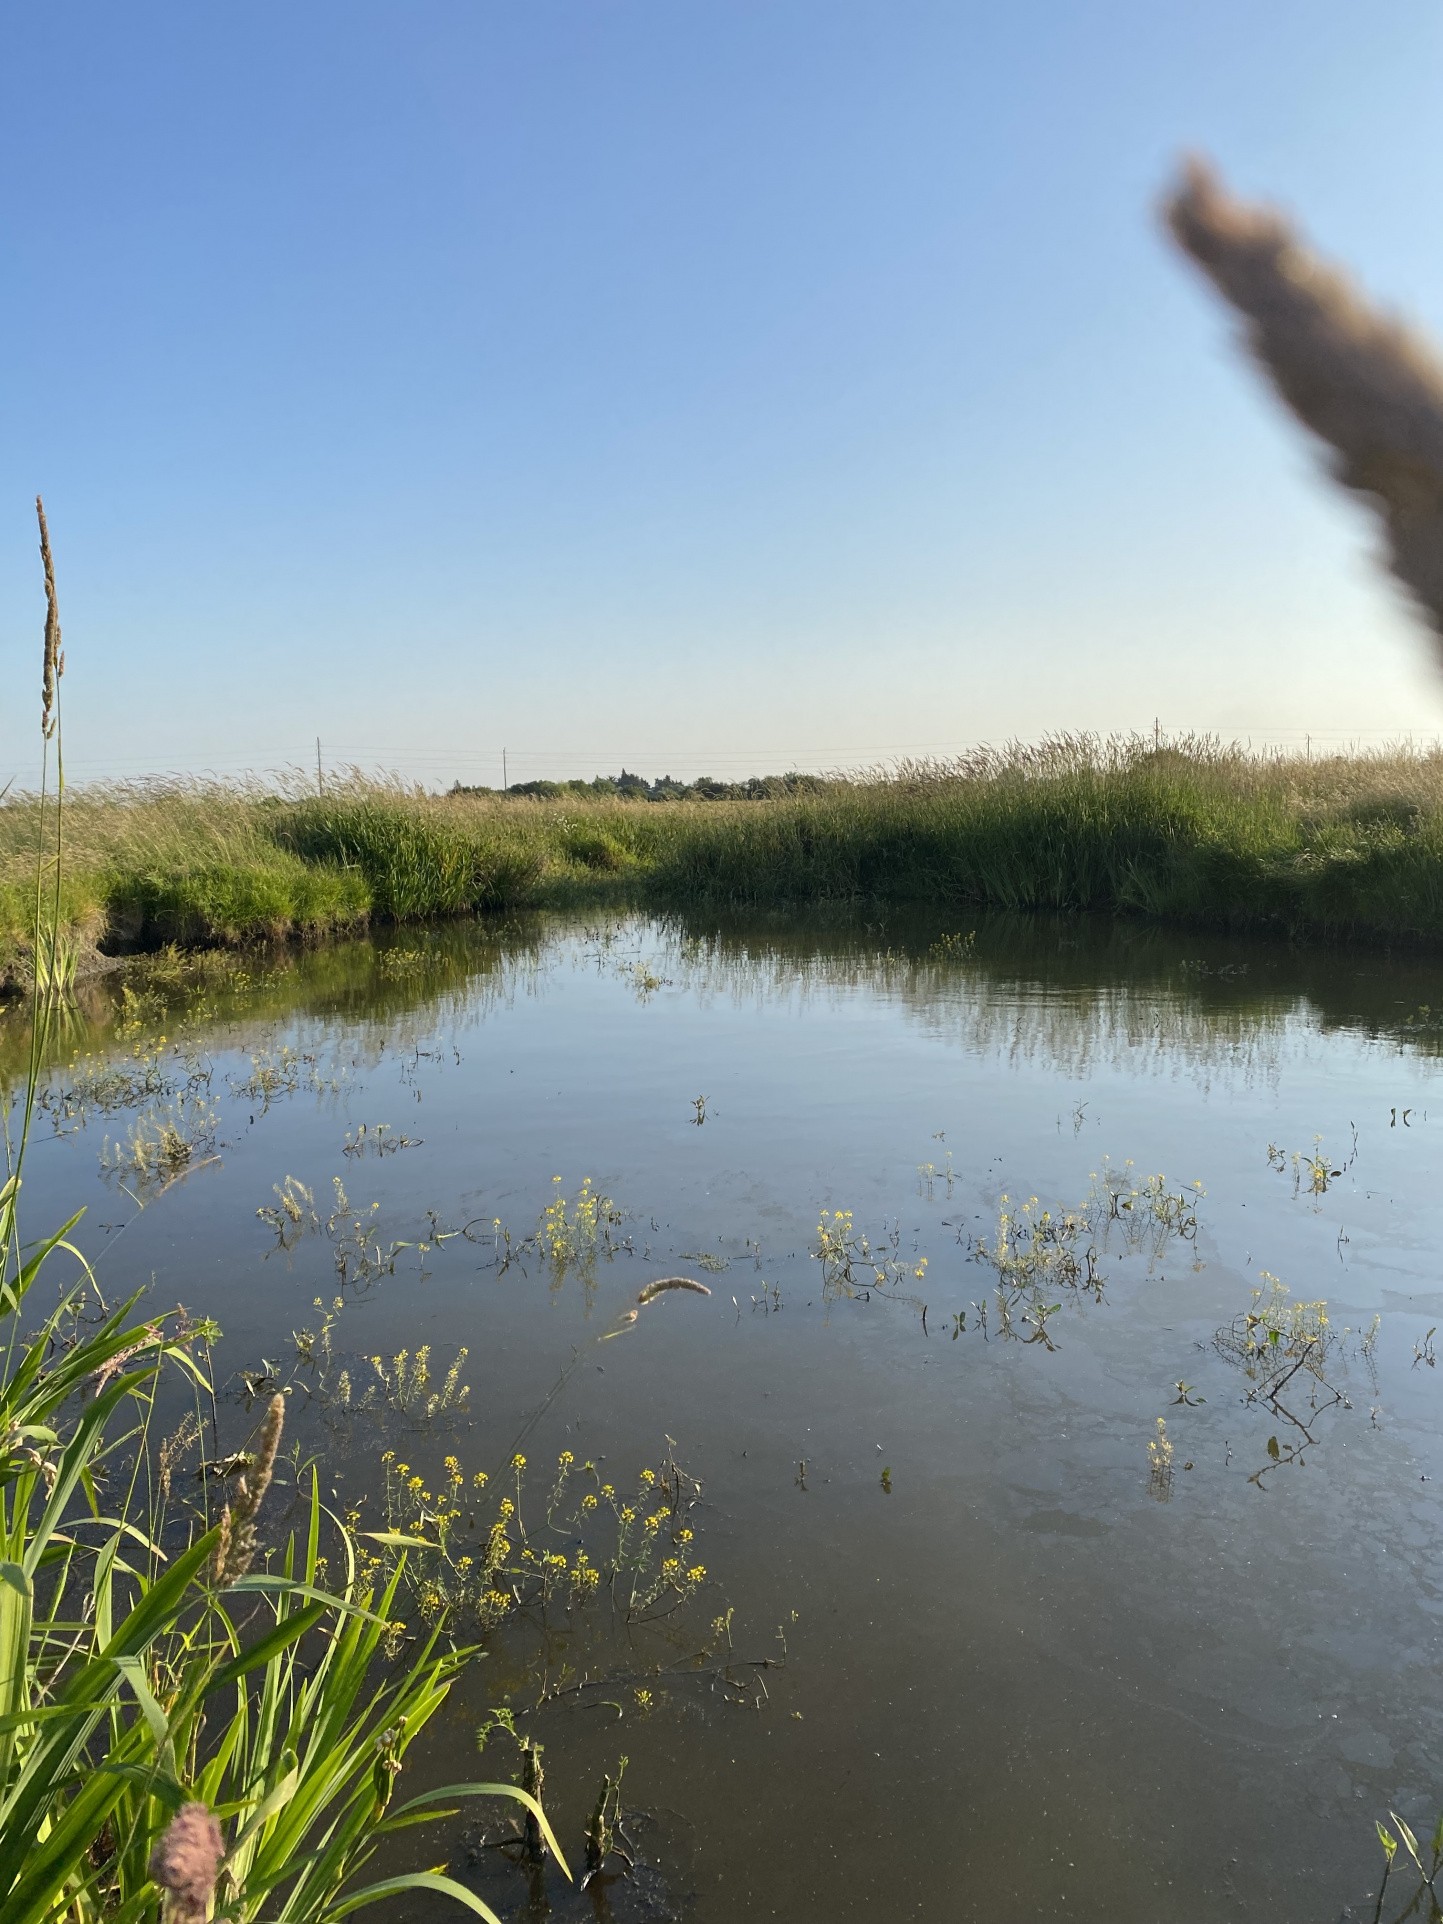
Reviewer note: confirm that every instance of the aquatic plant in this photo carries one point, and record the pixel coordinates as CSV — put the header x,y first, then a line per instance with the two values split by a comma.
x,y
1312,1170
1276,1337
377,1139
571,1236
1037,1250
283,1071
164,1142
637,1548
851,1261
1159,1463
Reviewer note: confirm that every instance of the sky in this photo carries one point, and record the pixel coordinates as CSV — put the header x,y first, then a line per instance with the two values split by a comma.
x,y
700,386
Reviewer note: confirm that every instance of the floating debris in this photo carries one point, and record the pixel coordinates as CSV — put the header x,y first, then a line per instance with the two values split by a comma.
x,y
664,1283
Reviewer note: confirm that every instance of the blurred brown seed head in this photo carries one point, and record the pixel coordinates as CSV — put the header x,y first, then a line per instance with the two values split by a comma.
x,y
1365,384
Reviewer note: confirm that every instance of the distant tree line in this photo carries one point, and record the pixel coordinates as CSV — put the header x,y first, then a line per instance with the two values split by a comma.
x,y
636,788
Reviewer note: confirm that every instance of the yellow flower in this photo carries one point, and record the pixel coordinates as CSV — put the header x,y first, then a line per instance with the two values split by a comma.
x,y
518,1462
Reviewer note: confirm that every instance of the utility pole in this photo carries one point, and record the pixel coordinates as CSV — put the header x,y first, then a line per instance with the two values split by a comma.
x,y
320,779
505,784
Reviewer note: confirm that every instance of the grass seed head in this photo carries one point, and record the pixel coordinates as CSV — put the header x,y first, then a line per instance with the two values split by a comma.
x,y
185,1862
1365,384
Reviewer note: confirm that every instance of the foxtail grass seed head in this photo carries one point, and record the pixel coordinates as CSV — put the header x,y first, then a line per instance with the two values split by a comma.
x,y
1365,384
54,654
185,1862
236,1546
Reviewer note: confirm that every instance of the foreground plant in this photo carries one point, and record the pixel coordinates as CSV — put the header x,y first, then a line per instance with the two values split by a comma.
x,y
180,1730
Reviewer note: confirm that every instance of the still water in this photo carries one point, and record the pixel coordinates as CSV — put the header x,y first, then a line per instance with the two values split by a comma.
x,y
988,1655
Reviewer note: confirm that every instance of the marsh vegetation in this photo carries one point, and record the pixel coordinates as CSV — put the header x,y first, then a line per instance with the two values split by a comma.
x,y
1192,832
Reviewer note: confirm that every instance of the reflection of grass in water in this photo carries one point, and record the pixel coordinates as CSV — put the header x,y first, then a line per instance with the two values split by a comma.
x,y
246,995
1076,991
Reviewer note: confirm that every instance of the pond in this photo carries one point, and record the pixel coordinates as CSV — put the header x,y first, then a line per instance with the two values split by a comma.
x,y
1055,1424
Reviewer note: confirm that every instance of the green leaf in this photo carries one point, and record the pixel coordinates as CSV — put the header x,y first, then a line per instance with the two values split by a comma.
x,y
513,1791
412,1881
287,1586
1410,1842
288,1631
133,1671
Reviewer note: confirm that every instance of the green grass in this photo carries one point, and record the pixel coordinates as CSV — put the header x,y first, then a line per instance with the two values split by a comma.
x,y
415,860
135,1679
1343,847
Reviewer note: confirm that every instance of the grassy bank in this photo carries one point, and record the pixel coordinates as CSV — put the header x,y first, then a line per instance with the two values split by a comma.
x,y
1340,847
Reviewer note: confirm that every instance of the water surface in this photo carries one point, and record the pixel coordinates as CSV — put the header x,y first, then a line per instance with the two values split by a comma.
x,y
1016,1668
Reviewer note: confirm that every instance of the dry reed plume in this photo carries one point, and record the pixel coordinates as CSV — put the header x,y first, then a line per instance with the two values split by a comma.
x,y
1361,381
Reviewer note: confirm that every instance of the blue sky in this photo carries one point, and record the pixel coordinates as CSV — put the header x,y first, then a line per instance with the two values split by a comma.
x,y
708,385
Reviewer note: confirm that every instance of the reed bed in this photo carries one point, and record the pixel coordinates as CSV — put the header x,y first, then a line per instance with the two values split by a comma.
x,y
1193,830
